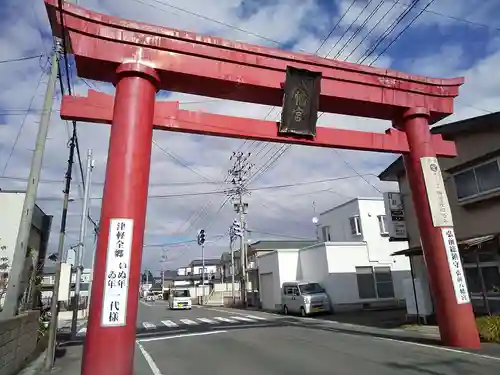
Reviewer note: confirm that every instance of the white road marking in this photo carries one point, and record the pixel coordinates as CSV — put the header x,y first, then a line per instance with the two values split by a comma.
x,y
224,319
180,336
439,348
149,360
188,322
232,311
255,317
145,303
169,323
149,325
245,319
209,321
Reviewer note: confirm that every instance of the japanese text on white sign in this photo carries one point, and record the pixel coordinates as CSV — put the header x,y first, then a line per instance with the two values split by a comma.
x,y
114,307
456,270
436,192
395,216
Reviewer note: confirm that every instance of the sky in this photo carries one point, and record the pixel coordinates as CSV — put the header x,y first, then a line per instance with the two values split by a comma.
x,y
450,38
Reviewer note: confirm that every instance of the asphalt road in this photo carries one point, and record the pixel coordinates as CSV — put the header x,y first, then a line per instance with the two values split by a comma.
x,y
281,345
155,318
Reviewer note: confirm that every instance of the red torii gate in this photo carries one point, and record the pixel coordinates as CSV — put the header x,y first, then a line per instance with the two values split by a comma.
x,y
141,59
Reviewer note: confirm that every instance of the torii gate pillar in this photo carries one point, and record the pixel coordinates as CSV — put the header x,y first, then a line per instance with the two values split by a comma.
x,y
454,312
111,350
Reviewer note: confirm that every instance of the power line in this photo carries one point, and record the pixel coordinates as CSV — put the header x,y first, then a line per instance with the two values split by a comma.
x,y
23,123
372,29
226,191
387,32
102,183
208,19
454,18
402,31
21,59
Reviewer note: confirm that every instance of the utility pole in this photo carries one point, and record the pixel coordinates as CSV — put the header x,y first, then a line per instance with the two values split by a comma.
x,y
239,174
11,305
231,238
54,308
81,242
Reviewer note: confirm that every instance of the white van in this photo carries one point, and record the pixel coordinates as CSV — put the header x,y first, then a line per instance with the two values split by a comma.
x,y
179,299
304,297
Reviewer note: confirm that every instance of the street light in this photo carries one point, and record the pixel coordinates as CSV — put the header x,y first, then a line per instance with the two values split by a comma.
x,y
315,221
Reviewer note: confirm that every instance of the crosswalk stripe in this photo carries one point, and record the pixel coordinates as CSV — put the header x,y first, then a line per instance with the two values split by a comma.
x,y
209,321
224,319
188,322
242,318
149,325
169,323
256,317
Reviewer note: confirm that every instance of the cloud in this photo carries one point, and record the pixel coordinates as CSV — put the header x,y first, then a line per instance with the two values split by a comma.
x,y
185,168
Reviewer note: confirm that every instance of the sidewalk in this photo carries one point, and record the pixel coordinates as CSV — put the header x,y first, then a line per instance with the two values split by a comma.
x,y
68,361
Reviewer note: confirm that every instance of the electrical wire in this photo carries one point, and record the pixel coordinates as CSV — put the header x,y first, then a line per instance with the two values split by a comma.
x,y
284,148
372,29
23,123
387,32
25,58
402,31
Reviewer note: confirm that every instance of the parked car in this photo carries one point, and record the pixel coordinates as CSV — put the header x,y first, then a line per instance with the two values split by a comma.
x,y
304,297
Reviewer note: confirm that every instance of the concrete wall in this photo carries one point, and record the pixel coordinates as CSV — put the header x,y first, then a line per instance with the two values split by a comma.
x,y
18,341
338,220
368,210
334,266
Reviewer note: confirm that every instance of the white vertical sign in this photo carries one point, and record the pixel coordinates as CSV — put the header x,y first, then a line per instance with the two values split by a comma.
x,y
436,192
395,216
455,264
114,305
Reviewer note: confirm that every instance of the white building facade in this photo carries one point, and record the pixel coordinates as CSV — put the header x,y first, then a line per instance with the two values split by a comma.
x,y
352,260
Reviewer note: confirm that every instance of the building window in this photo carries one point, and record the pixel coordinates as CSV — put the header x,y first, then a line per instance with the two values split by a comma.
x,y
374,282
382,225
383,278
479,180
355,224
326,234
366,283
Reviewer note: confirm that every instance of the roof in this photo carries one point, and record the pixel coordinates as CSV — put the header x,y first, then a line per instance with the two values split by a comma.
x,y
448,131
352,200
169,274
208,262
278,244
464,245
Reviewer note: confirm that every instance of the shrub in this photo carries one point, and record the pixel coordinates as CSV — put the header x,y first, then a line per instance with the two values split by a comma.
x,y
489,328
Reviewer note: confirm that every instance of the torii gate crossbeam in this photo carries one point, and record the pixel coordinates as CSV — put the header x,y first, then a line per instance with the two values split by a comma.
x,y
141,59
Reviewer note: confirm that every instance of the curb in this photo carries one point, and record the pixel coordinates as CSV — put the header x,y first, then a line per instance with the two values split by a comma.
x,y
34,366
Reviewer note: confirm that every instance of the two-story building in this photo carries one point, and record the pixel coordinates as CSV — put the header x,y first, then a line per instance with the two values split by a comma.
x,y
352,259
191,275
472,182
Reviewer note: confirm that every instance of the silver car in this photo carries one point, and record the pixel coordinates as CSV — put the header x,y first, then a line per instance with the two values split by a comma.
x,y
304,298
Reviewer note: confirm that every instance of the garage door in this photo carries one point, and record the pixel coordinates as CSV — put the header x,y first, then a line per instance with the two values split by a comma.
x,y
267,291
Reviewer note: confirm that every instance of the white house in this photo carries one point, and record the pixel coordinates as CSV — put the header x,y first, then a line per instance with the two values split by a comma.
x,y
352,261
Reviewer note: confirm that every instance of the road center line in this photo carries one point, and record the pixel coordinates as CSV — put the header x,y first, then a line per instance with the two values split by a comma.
x,y
180,336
